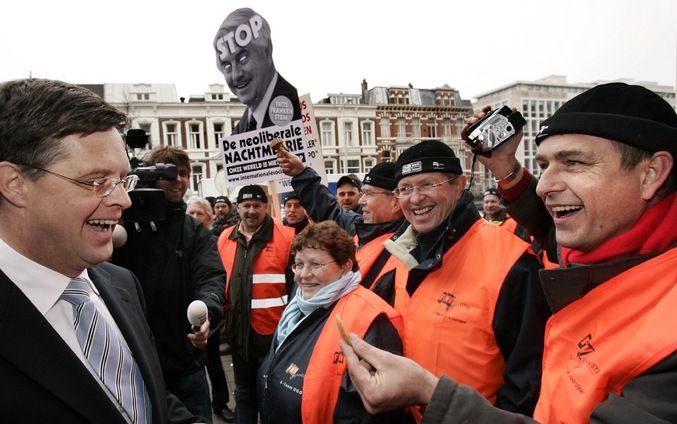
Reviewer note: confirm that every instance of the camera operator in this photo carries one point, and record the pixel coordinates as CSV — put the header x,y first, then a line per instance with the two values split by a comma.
x,y
176,261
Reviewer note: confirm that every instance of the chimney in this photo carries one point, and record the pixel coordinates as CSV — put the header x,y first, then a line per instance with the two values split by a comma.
x,y
365,90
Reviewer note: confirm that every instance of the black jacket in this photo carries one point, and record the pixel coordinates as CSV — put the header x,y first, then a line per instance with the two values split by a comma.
x,y
43,381
176,263
321,205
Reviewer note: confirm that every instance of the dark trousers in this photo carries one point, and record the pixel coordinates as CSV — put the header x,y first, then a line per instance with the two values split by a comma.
x,y
246,400
192,389
217,377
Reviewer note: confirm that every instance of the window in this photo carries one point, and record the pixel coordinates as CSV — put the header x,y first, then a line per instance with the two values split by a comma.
x,y
196,176
348,133
432,127
218,132
330,166
327,133
415,127
352,166
446,127
401,127
368,164
172,135
146,129
367,134
385,127
194,136
143,96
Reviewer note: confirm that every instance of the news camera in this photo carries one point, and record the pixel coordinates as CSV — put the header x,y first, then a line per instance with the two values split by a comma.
x,y
148,202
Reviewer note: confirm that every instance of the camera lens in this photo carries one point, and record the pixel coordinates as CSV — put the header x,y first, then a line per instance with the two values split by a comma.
x,y
508,128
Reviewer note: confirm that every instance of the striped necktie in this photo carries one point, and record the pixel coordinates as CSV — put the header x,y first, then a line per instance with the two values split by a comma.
x,y
109,357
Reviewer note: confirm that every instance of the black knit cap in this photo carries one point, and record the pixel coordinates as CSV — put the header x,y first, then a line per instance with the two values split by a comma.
x,y
251,192
222,199
492,191
629,114
427,156
291,195
382,175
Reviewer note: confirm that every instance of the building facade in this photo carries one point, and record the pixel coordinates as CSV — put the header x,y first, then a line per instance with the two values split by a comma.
x,y
538,100
356,131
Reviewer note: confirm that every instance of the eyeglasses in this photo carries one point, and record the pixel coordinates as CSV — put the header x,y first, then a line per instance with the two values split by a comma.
x,y
312,267
101,187
405,192
371,193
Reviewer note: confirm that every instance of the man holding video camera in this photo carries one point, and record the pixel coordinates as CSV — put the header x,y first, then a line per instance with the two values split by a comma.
x,y
176,261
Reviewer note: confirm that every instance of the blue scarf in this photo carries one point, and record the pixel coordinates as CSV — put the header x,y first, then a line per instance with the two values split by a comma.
x,y
298,309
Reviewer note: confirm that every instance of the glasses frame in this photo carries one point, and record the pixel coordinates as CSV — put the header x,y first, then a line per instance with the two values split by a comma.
x,y
421,188
312,267
372,193
130,181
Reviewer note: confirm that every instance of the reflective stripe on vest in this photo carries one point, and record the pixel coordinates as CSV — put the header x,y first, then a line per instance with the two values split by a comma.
x,y
448,321
614,333
269,303
327,364
269,290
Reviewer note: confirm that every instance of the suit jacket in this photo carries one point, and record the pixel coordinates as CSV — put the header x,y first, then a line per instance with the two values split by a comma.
x,y
42,380
282,88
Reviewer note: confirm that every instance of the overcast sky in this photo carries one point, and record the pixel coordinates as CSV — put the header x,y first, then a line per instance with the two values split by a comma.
x,y
330,46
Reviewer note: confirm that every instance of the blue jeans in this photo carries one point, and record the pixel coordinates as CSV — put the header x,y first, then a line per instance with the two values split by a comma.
x,y
246,401
193,391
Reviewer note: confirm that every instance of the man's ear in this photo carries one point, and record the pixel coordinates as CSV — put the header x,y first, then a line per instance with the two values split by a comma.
x,y
655,174
12,184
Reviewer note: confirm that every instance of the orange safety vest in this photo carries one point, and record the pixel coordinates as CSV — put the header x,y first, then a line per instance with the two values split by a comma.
x,y
448,320
327,365
269,289
368,254
614,333
509,224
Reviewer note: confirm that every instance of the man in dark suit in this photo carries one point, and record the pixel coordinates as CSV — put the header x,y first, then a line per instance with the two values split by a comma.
x,y
63,187
244,54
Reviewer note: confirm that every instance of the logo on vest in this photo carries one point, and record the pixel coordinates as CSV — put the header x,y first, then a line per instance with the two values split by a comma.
x,y
585,346
446,299
581,359
293,371
451,303
338,358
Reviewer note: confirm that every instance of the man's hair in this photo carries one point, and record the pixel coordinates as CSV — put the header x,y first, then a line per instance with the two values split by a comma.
x,y
327,236
36,114
168,154
631,156
243,15
203,203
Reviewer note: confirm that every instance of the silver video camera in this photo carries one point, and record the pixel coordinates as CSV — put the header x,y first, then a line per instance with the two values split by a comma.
x,y
493,129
